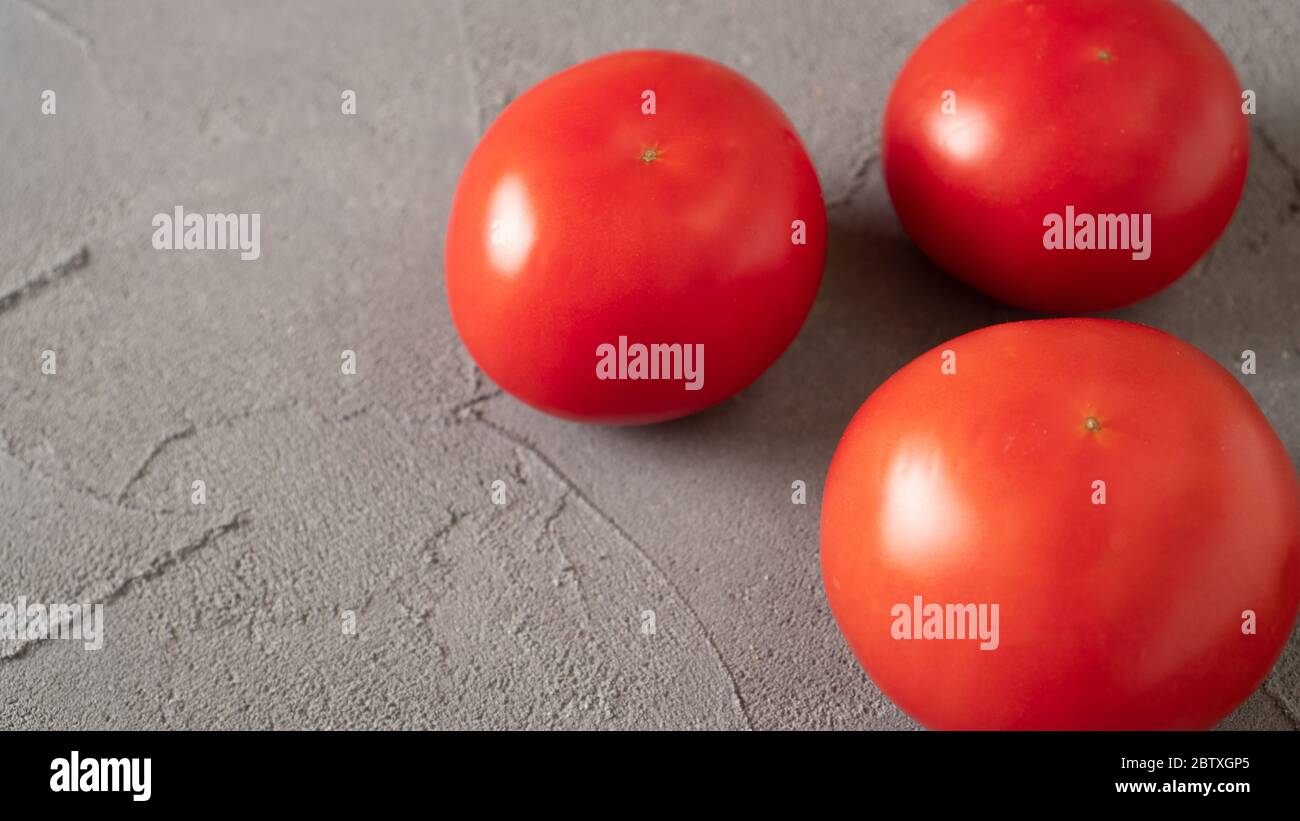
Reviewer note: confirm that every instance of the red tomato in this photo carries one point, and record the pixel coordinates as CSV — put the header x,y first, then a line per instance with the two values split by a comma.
x,y
1119,605
641,198
1013,111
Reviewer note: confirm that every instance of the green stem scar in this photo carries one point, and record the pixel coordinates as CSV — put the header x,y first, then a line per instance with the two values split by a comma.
x,y
1103,55
649,155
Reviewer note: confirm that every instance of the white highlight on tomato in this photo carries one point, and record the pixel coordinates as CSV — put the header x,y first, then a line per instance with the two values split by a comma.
x,y
511,226
963,135
921,512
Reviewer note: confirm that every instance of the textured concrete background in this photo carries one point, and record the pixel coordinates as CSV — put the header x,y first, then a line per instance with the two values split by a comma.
x,y
370,492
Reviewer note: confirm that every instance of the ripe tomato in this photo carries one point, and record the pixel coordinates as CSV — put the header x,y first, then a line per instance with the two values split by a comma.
x,y
1120,605
1013,116
643,198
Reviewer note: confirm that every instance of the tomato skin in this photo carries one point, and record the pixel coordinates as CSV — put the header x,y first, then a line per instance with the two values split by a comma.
x,y
1111,106
693,246
977,487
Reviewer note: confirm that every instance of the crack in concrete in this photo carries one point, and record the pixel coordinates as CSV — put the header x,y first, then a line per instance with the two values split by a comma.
x,y
454,518
348,416
471,79
164,563
118,501
1292,205
67,30
108,591
1285,706
1206,263
568,566
555,514
85,491
432,547
154,453
429,551
1278,154
459,410
857,182
45,279
737,701
56,22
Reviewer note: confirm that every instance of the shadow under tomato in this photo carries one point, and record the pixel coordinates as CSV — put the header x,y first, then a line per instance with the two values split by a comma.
x,y
881,304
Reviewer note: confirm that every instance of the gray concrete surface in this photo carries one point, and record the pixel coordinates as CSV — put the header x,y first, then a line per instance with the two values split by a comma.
x,y
369,493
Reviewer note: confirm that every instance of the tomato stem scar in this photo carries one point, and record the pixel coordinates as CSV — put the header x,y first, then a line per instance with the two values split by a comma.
x,y
649,155
1092,424
1103,55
